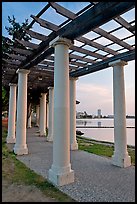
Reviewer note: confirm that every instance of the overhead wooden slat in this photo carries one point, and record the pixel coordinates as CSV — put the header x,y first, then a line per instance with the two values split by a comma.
x,y
94,17
36,35
73,56
45,23
71,62
97,45
81,39
22,51
111,37
27,44
53,27
90,53
124,23
72,31
127,56
18,57
12,62
61,10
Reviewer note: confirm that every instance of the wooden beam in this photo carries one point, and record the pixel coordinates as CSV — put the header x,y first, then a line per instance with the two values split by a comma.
x,y
79,64
36,35
63,11
72,16
72,56
45,24
13,62
94,17
53,27
18,57
97,45
111,37
22,51
127,56
27,44
124,23
90,53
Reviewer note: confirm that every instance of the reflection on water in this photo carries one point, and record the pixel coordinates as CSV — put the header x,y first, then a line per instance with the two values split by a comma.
x,y
103,122
99,124
105,134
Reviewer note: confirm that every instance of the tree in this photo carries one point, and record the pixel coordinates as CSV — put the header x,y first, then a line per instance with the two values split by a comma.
x,y
16,31
5,99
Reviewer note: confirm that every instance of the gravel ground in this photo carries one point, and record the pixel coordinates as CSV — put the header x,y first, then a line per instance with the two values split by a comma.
x,y
96,179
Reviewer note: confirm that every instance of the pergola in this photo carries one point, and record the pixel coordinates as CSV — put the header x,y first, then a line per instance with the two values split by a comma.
x,y
75,44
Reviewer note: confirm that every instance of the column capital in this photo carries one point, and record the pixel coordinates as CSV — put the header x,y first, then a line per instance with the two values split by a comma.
x,y
50,87
25,71
73,78
11,84
118,62
60,40
43,94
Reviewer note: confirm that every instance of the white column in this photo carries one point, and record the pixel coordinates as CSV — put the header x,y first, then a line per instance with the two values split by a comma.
x,y
50,114
73,141
12,114
60,172
29,119
20,147
42,125
120,157
37,115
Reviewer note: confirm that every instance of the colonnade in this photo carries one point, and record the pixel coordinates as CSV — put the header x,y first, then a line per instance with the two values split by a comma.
x,y
62,115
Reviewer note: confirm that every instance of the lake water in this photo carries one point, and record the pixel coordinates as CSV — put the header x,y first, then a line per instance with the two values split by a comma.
x,y
104,134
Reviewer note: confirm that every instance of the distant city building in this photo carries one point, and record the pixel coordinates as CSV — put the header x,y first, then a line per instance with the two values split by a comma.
x,y
99,113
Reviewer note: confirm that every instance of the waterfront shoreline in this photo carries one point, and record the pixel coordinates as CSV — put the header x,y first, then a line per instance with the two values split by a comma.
x,y
101,142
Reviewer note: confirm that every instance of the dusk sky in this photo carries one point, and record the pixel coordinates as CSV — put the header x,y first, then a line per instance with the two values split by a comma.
x,y
95,90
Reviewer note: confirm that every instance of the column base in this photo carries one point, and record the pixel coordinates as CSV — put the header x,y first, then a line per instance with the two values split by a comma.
x,y
74,146
49,138
61,178
11,140
20,150
121,162
42,134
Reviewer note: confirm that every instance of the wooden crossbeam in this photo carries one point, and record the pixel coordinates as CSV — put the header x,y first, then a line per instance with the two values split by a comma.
x,y
124,23
13,62
45,24
127,56
98,30
91,19
73,56
22,51
84,51
36,35
53,27
111,37
27,44
71,62
18,57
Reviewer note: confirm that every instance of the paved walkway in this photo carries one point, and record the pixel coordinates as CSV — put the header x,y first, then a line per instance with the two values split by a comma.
x,y
96,179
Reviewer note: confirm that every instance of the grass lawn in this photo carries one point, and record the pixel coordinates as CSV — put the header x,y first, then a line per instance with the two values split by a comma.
x,y
105,149
15,171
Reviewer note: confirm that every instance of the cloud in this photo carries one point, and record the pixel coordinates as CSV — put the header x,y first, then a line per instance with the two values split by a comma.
x,y
93,97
